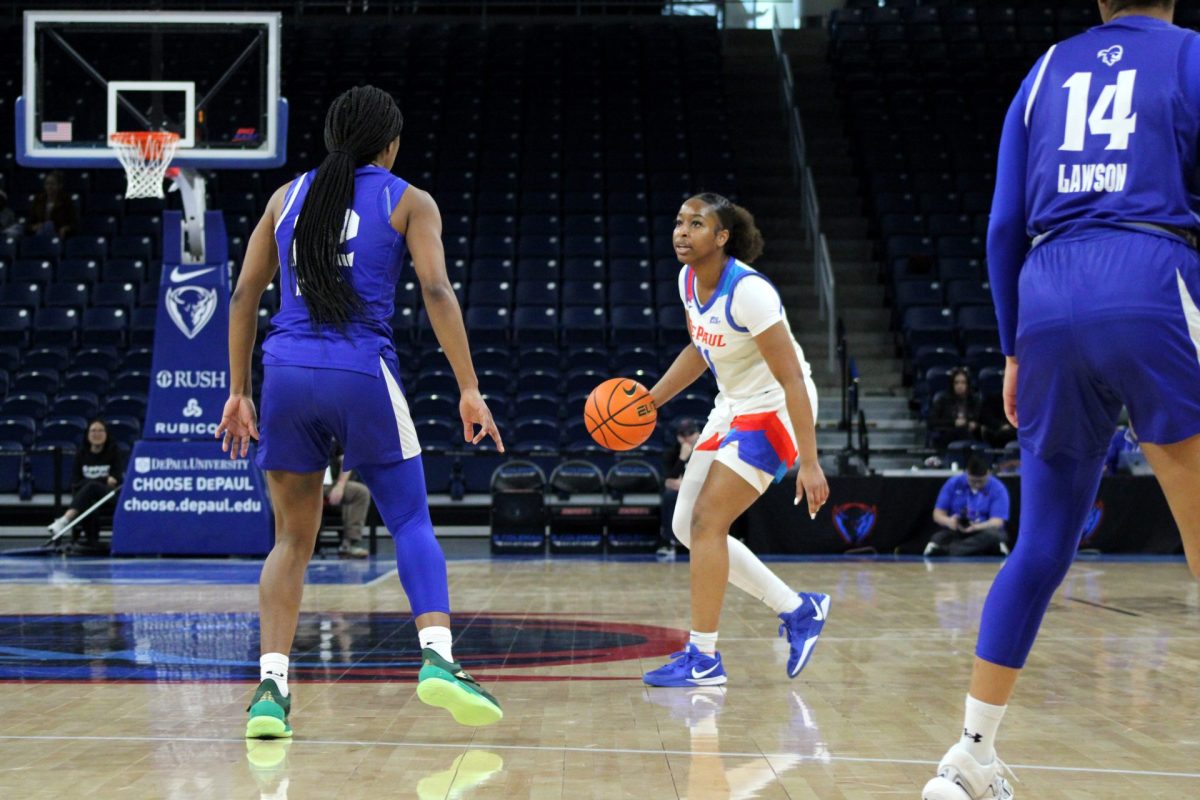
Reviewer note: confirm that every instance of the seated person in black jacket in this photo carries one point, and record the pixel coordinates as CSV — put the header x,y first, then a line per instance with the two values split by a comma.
x,y
955,414
99,468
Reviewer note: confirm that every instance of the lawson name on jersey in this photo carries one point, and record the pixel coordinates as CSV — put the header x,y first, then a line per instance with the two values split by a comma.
x,y
1092,178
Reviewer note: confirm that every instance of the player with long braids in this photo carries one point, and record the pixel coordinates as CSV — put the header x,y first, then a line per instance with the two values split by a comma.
x,y
339,234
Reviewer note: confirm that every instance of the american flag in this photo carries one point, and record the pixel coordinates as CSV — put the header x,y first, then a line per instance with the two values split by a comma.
x,y
56,131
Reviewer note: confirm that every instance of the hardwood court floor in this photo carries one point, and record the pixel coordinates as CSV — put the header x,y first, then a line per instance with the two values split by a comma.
x,y
117,686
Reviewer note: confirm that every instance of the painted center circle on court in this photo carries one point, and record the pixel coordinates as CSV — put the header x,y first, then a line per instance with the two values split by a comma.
x,y
329,646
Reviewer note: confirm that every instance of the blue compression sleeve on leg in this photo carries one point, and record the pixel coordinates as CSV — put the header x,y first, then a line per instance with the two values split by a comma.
x,y
399,492
1056,496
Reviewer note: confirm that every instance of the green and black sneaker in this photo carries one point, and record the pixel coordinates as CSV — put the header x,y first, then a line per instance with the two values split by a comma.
x,y
269,713
446,685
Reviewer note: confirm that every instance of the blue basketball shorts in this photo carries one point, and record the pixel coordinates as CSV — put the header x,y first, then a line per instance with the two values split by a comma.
x,y
305,408
1107,319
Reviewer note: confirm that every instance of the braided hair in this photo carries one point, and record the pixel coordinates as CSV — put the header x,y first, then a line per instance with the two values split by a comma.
x,y
361,123
745,240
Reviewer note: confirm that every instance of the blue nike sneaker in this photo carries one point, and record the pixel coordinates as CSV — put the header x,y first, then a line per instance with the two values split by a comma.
x,y
802,627
689,667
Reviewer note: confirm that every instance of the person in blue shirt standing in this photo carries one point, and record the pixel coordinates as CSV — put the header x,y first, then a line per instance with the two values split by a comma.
x,y
338,235
971,513
1097,166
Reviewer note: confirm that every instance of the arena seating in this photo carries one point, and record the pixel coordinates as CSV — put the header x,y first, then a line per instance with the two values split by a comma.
x,y
927,85
558,182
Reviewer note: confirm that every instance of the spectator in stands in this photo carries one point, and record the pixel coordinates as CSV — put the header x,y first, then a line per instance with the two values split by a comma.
x,y
99,468
971,514
674,462
53,212
955,414
9,225
355,500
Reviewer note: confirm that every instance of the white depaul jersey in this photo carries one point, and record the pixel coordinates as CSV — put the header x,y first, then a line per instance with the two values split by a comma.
x,y
744,305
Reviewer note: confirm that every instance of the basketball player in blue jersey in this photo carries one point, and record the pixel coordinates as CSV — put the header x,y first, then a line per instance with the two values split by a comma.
x,y
338,234
1093,265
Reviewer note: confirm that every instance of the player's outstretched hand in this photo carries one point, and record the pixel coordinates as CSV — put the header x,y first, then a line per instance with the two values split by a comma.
x,y
1010,390
239,424
811,481
475,412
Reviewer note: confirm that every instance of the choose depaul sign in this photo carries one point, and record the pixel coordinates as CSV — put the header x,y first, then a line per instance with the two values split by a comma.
x,y
191,498
182,495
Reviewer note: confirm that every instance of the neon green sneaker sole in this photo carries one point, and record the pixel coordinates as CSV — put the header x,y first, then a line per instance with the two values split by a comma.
x,y
441,689
267,727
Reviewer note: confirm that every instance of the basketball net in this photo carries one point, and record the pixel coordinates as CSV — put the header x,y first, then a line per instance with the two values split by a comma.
x,y
145,155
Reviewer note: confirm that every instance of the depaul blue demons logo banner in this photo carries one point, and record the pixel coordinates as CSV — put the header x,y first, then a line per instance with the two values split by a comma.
x,y
181,494
189,498
189,382
854,521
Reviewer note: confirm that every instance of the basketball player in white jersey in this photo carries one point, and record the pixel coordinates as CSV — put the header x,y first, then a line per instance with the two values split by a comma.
x,y
764,417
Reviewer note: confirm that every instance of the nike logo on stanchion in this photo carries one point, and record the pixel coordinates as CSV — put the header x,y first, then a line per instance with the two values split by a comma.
x,y
177,276
705,673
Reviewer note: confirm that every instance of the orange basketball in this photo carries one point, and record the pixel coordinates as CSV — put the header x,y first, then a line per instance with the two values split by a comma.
x,y
620,414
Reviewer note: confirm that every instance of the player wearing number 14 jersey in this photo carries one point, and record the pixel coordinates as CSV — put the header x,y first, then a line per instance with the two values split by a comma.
x,y
1093,266
762,422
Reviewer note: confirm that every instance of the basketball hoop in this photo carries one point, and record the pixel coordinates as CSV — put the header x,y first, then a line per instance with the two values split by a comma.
x,y
145,156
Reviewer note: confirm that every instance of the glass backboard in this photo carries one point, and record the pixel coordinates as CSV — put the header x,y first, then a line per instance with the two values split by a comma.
x,y
212,78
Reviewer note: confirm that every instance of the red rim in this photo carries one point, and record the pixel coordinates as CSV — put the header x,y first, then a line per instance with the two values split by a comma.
x,y
148,143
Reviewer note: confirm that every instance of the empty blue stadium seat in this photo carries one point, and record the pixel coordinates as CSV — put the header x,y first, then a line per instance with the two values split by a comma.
x,y
437,435
104,325
35,381
63,431
28,404
56,326
79,270
87,247
132,247
489,321
66,295
583,325
631,325
534,325
21,295
31,270
42,459
125,405
39,247
76,404
126,270
125,430
534,404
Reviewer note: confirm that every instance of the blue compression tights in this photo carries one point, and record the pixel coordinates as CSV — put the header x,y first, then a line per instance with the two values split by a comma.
x,y
1056,496
399,491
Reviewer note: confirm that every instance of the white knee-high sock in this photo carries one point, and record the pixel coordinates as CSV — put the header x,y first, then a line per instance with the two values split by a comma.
x,y
753,577
746,571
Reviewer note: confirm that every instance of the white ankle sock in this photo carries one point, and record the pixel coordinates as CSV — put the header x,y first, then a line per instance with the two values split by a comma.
x,y
275,667
979,729
704,642
437,638
751,575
